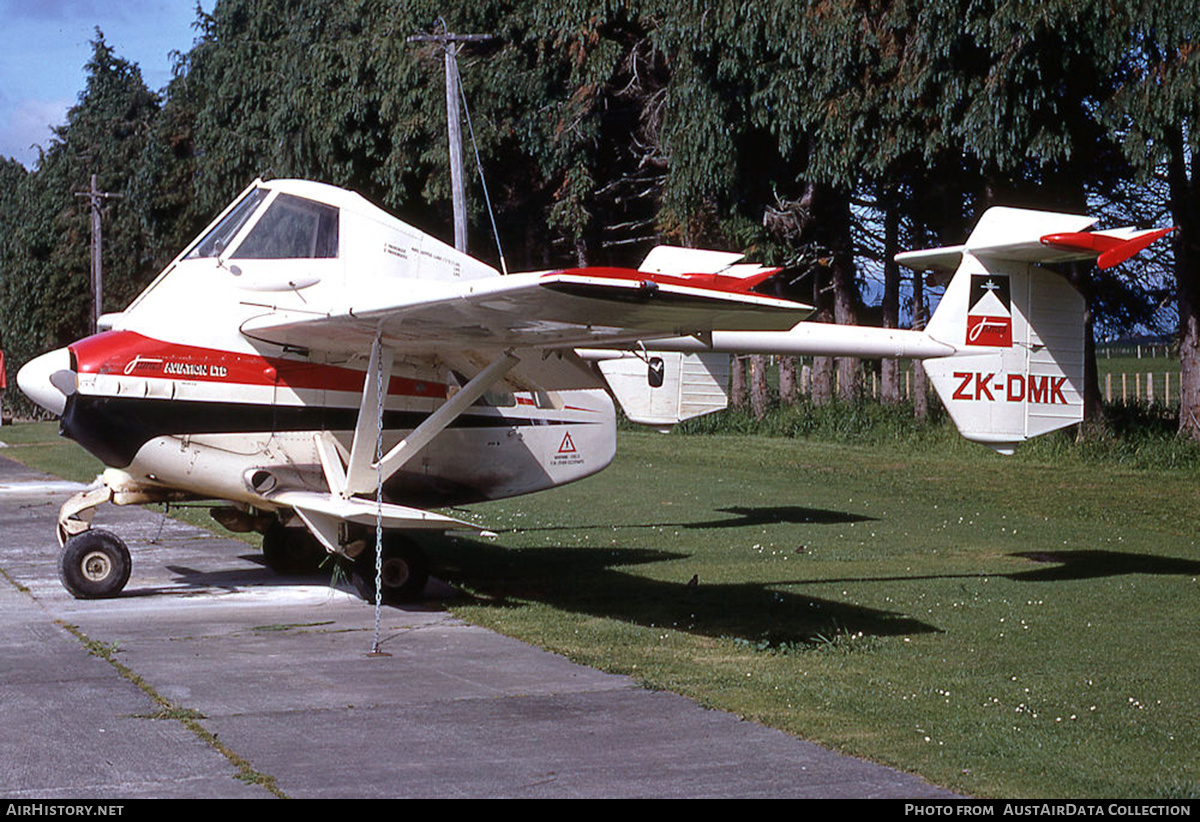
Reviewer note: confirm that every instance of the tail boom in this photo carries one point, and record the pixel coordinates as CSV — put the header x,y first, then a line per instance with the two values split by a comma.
x,y
1004,350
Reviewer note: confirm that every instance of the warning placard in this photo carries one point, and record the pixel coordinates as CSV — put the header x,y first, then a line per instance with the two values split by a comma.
x,y
567,453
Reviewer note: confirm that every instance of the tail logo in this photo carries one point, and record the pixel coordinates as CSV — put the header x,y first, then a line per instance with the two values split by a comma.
x,y
989,317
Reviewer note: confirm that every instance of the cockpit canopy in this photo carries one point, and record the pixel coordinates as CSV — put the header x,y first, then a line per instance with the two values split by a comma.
x,y
313,245
290,228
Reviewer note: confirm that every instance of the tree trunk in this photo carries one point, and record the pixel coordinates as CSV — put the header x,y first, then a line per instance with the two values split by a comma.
x,y
758,386
889,371
822,380
738,390
788,389
845,289
1187,279
1189,355
845,313
821,391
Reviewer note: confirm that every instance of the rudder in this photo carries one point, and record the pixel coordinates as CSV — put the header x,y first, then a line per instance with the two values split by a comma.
x,y
1018,371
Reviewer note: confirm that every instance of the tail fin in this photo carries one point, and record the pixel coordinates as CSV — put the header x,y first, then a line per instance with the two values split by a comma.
x,y
1017,329
1018,371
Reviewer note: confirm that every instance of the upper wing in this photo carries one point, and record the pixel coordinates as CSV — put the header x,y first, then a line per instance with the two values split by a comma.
x,y
588,307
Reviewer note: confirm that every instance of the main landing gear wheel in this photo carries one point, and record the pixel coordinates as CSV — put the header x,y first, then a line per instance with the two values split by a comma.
x,y
404,573
291,550
94,565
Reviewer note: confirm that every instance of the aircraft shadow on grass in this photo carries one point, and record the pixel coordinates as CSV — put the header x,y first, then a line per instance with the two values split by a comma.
x,y
590,581
1062,566
1065,565
742,516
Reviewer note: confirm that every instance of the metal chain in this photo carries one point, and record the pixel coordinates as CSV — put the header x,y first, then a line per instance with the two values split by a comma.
x,y
381,392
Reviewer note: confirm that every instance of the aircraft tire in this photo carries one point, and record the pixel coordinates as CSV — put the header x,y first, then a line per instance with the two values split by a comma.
x,y
291,550
94,565
405,571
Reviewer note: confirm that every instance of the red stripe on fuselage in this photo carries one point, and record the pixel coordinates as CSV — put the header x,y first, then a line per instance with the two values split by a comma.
x,y
128,353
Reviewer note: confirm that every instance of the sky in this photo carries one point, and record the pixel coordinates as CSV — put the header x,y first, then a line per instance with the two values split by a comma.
x,y
44,45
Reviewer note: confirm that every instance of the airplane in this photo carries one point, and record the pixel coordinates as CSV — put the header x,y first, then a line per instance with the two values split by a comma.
x,y
331,375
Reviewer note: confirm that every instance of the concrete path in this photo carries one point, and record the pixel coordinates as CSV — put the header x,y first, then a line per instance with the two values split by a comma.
x,y
270,691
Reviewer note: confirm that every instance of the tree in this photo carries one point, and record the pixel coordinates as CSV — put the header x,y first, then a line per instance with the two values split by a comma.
x,y
560,104
1155,113
794,131
1021,93
45,257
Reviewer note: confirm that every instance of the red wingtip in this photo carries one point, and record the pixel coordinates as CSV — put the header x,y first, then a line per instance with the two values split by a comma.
x,y
1121,253
1111,250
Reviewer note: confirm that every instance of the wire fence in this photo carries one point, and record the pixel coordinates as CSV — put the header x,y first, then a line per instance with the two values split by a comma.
x,y
1151,387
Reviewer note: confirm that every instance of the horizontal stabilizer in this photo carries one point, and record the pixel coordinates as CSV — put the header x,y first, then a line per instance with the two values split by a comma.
x,y
714,269
1025,236
669,259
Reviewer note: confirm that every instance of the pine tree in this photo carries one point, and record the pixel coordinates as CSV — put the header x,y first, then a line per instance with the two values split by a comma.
x,y
1155,112
45,254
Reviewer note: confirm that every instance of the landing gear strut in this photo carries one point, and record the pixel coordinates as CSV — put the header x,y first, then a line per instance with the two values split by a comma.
x,y
95,564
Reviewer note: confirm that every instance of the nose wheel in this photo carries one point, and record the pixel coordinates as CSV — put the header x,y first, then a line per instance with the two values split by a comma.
x,y
94,565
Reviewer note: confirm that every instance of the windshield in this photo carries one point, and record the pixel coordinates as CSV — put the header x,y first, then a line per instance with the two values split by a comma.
x,y
216,241
292,228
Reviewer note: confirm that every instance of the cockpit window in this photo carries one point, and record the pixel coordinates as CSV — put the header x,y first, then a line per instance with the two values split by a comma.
x,y
217,240
292,228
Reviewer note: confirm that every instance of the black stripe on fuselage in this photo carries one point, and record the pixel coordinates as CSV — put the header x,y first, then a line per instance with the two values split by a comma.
x,y
114,428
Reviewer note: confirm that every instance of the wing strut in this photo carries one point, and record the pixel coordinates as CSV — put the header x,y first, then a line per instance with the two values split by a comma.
x,y
362,474
359,474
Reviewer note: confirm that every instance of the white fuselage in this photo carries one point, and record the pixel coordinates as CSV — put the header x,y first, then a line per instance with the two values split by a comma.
x,y
175,395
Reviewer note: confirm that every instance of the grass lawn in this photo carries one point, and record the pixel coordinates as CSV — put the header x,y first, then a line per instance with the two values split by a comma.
x,y
1003,627
37,444
1021,627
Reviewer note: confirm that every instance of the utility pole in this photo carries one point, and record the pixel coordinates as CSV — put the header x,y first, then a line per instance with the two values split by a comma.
x,y
95,196
451,43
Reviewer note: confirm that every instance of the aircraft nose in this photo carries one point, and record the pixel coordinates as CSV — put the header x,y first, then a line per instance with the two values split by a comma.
x,y
48,380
